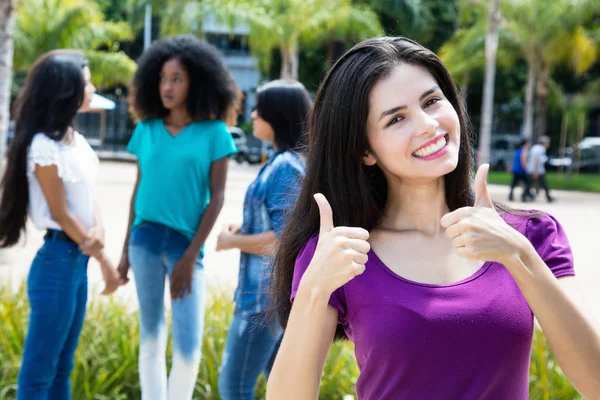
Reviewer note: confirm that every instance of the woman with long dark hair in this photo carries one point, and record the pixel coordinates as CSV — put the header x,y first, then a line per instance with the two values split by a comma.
x,y
252,341
391,244
51,175
184,97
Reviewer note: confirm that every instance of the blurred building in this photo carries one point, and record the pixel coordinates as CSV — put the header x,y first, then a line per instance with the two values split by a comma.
x,y
233,44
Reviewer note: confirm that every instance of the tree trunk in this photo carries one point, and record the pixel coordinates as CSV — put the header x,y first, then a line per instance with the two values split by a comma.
x,y
580,132
7,27
542,92
464,88
562,145
289,60
487,114
335,49
529,109
148,27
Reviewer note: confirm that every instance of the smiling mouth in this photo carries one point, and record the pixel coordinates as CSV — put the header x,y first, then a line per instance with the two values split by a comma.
x,y
432,148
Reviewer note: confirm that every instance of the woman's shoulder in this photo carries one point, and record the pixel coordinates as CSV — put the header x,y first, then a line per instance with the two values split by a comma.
x,y
208,128
41,140
150,123
534,224
43,147
288,159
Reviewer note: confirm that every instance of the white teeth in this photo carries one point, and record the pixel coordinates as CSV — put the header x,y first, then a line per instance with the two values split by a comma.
x,y
432,148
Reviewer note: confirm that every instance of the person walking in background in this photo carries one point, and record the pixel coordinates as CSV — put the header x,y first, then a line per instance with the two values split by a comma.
x,y
519,171
252,341
393,245
536,166
183,95
51,172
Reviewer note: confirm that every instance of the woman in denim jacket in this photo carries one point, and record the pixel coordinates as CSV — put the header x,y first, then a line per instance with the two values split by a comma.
x,y
282,107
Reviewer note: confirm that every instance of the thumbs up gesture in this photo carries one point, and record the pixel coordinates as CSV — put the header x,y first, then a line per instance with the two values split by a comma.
x,y
341,252
478,232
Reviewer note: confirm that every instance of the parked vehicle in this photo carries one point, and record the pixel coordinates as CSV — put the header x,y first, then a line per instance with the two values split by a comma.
x,y
589,156
250,149
503,148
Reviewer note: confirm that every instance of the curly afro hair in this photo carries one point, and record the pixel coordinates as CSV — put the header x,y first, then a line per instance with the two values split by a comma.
x,y
212,92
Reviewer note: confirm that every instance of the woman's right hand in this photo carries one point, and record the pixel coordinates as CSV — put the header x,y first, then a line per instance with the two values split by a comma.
x,y
233,228
123,267
112,279
341,252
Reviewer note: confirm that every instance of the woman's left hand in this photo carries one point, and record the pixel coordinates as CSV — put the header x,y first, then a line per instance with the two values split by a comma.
x,y
182,276
224,240
479,232
94,243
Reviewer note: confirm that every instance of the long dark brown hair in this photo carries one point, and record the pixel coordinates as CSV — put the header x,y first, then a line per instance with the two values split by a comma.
x,y
53,93
337,143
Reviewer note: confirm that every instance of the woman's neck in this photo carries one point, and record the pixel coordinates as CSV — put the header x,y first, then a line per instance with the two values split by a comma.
x,y
178,117
415,206
69,136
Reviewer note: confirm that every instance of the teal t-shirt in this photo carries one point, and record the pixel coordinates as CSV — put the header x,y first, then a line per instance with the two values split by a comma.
x,y
174,187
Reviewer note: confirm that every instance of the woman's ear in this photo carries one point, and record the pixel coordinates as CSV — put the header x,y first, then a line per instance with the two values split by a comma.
x,y
369,159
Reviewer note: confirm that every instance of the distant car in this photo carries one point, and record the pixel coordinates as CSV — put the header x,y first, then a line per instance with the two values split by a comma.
x,y
589,156
503,148
250,149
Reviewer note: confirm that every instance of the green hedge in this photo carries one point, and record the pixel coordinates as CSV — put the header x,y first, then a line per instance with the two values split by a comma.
x,y
106,360
580,182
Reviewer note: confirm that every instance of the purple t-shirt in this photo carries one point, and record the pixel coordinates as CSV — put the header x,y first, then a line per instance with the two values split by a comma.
x,y
468,340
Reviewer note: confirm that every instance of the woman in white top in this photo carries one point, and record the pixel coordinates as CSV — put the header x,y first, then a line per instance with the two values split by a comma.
x,y
51,172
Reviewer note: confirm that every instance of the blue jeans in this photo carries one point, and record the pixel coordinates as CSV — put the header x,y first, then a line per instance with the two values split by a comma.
x,y
154,250
249,351
57,291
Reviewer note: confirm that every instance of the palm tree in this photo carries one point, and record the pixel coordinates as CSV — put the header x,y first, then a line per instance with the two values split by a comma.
x,y
76,24
284,24
548,33
360,22
469,39
7,25
487,113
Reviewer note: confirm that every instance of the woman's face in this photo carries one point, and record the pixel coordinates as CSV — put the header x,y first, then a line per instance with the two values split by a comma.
x,y
261,128
412,128
174,85
89,90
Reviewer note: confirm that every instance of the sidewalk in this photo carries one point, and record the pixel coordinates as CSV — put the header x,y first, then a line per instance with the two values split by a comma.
x,y
579,213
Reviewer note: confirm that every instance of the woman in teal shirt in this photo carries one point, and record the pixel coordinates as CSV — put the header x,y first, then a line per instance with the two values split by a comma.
x,y
183,94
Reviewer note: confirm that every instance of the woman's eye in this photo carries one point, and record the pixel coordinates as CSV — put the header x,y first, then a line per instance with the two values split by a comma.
x,y
395,120
432,101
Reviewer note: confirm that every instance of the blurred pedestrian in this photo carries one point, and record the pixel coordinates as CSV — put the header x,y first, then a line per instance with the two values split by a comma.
x,y
536,166
281,111
519,171
51,175
183,96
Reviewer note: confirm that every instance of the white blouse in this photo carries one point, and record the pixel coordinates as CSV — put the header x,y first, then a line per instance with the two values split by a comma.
x,y
77,166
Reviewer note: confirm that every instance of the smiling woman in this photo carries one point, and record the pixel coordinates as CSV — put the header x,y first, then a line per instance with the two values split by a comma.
x,y
392,245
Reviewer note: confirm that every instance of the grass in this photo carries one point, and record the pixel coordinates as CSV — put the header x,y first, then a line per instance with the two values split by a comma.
x,y
106,365
580,182
106,359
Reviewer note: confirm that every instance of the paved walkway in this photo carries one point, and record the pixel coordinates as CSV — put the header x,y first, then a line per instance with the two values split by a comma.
x,y
578,212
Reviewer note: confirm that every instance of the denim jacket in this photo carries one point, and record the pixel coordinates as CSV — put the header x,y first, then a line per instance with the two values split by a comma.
x,y
268,199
